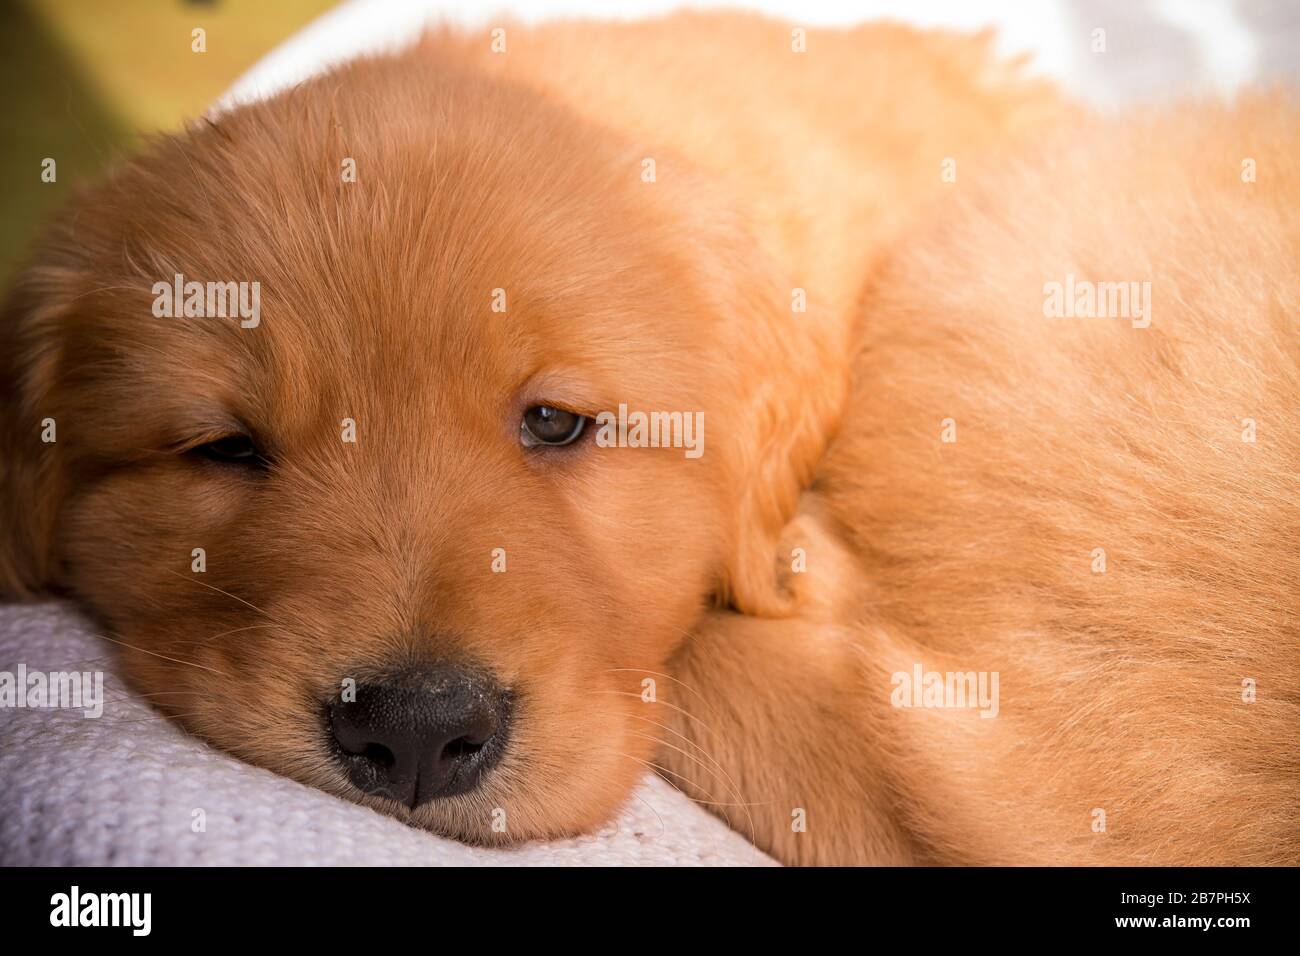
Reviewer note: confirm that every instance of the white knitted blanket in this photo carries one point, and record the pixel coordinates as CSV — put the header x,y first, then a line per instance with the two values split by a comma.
x,y
130,788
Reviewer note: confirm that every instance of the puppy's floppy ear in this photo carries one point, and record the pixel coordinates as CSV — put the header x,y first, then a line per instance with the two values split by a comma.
x,y
789,374
31,473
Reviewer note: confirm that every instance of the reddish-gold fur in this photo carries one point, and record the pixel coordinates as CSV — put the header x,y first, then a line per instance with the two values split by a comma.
x,y
774,171
1121,691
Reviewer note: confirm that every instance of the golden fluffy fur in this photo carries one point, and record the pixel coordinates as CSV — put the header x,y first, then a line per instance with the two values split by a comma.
x,y
1121,684
524,171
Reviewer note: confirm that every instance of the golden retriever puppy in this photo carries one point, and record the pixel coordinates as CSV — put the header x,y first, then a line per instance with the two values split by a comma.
x,y
1050,600
302,404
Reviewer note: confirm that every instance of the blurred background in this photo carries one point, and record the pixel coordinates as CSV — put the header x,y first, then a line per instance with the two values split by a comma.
x,y
86,81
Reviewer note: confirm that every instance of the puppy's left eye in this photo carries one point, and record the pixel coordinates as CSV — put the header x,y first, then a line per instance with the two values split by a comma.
x,y
231,450
547,425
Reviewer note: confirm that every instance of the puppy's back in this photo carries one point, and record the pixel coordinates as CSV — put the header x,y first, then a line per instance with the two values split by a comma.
x,y
1103,509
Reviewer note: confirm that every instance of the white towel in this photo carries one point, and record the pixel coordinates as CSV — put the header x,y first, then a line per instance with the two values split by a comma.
x,y
123,788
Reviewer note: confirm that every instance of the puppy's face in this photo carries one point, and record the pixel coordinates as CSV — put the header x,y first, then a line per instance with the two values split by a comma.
x,y
367,537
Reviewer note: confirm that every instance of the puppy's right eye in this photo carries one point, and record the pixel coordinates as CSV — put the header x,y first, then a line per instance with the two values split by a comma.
x,y
548,425
232,450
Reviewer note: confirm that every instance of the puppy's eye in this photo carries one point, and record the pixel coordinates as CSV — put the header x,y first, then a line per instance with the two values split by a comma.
x,y
232,450
547,425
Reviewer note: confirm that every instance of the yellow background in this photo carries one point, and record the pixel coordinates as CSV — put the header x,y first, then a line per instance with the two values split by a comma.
x,y
83,81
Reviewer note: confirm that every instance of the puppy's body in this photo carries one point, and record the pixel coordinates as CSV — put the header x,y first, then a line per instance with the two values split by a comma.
x,y
1112,531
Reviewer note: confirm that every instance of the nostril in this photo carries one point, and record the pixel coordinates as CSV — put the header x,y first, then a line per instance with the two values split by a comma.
x,y
355,744
379,754
461,748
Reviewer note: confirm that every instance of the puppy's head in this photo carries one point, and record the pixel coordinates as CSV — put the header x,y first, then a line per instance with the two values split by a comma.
x,y
364,530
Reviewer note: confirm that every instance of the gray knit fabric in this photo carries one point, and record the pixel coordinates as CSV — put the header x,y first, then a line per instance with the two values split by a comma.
x,y
122,789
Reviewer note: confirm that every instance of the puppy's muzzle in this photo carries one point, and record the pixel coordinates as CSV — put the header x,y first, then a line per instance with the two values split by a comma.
x,y
418,735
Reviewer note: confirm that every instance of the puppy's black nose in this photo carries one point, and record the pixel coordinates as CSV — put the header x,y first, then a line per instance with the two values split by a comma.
x,y
421,734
